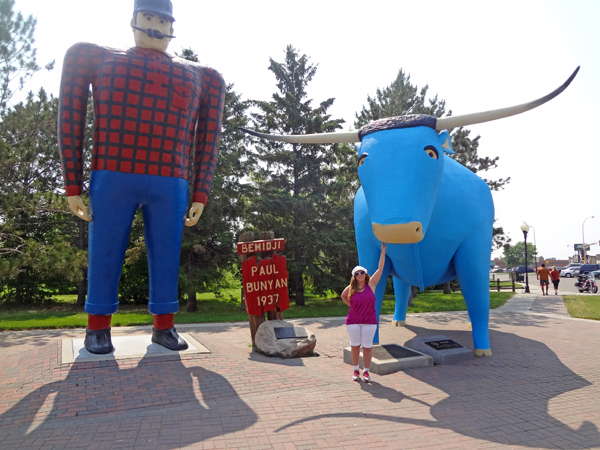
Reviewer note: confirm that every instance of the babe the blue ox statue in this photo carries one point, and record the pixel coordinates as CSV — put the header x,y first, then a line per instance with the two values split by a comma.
x,y
435,215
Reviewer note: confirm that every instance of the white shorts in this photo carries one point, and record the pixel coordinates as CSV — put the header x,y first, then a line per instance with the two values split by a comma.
x,y
361,335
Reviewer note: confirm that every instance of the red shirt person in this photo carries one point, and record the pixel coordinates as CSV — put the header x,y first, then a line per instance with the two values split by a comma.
x,y
152,112
555,277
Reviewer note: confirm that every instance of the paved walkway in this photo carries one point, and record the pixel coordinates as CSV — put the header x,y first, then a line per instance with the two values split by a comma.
x,y
540,389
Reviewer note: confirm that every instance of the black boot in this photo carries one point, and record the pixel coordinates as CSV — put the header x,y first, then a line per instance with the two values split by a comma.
x,y
169,338
98,341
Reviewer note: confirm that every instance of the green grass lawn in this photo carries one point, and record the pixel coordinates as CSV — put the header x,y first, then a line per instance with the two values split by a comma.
x,y
65,314
583,306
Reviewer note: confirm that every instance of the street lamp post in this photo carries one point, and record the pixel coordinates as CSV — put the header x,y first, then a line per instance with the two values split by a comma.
x,y
535,245
583,239
525,230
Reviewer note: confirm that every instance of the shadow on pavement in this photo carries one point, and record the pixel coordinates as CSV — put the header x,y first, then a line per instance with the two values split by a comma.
x,y
497,318
258,357
382,392
159,403
503,399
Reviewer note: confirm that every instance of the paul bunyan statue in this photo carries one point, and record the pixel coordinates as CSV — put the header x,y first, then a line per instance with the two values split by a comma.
x,y
150,108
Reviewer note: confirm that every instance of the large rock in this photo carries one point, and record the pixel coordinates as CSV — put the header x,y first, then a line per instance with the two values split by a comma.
x,y
267,341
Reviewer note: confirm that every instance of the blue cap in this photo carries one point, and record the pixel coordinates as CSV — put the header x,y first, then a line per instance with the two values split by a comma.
x,y
162,7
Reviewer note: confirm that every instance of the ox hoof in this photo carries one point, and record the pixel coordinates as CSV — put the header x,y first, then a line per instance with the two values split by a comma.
x,y
398,323
482,352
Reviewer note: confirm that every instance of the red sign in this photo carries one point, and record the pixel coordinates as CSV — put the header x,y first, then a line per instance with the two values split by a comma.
x,y
281,282
266,284
266,294
252,304
273,245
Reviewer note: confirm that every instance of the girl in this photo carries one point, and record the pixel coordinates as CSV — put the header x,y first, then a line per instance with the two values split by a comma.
x,y
555,277
361,321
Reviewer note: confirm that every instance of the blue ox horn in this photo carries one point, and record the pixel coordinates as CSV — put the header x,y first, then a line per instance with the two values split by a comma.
x,y
442,123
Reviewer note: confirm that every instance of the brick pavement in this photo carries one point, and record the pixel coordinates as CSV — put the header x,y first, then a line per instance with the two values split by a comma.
x,y
540,389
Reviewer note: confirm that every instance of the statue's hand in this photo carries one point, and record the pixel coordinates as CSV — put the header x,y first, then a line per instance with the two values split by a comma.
x,y
194,214
78,208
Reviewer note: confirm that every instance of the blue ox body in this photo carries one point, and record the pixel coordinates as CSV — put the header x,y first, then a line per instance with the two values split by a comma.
x,y
435,215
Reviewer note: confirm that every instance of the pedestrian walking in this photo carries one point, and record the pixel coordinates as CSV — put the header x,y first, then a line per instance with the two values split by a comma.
x,y
543,274
361,321
555,277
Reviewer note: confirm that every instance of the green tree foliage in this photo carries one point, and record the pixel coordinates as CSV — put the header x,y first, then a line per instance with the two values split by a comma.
x,y
514,255
18,60
401,98
134,283
35,256
37,252
301,191
207,252
500,240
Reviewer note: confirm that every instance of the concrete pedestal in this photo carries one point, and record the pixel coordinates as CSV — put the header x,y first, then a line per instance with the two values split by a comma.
x,y
138,346
441,355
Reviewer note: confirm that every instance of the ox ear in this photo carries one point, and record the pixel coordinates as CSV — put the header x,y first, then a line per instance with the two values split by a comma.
x,y
357,147
446,142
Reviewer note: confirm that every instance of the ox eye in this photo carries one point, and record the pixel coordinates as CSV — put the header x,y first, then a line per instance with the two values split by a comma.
x,y
362,158
432,151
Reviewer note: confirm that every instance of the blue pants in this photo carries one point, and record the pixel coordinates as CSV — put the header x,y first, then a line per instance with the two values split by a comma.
x,y
114,199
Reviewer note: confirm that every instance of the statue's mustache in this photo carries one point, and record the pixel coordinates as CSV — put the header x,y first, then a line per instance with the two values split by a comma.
x,y
153,33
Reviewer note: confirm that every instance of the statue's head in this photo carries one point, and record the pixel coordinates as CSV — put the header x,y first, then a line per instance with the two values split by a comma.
x,y
152,23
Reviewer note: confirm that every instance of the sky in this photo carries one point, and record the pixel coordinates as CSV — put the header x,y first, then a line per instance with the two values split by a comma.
x,y
477,55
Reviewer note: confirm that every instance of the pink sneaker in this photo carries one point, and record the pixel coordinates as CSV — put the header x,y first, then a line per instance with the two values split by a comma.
x,y
366,377
356,376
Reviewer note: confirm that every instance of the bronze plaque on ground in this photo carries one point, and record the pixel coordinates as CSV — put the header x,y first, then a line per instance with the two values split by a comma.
x,y
290,332
446,344
392,351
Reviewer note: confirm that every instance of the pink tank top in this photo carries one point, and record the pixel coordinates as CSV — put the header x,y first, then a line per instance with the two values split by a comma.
x,y
362,308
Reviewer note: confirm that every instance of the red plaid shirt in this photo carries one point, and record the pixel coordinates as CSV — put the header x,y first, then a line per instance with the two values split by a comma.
x,y
149,107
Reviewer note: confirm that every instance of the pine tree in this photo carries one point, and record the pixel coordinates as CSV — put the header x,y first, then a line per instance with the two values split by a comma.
x,y
302,190
208,254
35,230
18,60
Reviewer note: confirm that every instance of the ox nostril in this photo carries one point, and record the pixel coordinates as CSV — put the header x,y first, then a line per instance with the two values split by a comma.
x,y
418,229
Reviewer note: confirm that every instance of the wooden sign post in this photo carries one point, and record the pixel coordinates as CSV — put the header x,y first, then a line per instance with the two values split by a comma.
x,y
264,278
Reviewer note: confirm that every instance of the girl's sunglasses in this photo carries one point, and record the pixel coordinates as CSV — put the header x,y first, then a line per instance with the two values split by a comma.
x,y
360,272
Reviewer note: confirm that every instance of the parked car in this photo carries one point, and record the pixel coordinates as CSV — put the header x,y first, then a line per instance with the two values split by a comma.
x,y
521,269
568,266
586,268
497,270
570,272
